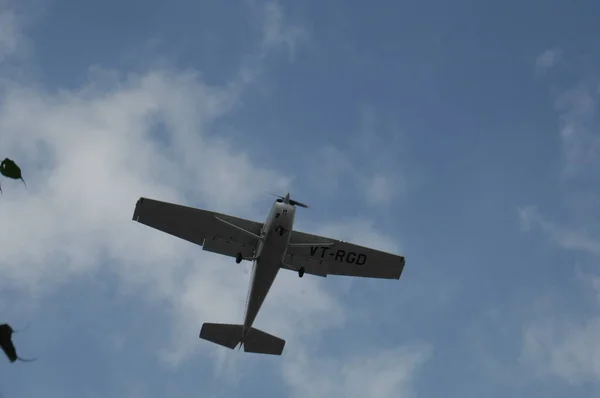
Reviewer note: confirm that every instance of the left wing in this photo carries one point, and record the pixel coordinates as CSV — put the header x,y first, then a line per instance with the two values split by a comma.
x,y
322,256
218,233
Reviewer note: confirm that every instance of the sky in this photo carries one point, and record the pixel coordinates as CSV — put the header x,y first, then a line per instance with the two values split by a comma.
x,y
462,135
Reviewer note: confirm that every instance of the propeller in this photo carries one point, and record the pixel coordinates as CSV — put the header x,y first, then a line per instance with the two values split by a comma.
x,y
286,199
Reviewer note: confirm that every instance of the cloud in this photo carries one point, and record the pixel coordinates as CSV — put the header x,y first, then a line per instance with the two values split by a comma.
x,y
579,132
276,33
564,237
361,231
547,60
10,36
557,342
564,345
382,374
88,156
15,47
363,164
561,343
382,188
89,153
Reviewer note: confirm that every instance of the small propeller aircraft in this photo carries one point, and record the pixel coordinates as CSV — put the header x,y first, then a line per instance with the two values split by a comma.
x,y
270,246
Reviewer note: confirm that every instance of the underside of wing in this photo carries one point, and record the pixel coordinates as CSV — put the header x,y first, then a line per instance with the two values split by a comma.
x,y
312,266
323,256
215,232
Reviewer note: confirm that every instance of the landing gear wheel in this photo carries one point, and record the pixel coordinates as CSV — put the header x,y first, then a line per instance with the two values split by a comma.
x,y
301,272
238,258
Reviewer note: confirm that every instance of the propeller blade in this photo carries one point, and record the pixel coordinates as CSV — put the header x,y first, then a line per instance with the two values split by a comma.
x,y
290,201
296,203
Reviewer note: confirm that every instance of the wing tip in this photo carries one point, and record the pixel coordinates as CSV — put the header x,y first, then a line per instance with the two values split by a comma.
x,y
136,211
401,268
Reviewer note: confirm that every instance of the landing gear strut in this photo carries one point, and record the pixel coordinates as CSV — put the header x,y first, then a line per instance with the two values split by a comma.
x,y
301,272
238,258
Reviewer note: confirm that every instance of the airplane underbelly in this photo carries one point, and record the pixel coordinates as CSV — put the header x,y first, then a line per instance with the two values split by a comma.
x,y
271,257
267,267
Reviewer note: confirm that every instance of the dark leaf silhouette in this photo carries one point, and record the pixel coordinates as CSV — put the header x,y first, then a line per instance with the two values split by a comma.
x,y
7,345
9,169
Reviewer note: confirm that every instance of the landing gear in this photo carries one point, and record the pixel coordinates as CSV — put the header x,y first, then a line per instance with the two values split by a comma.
x,y
280,229
239,258
301,272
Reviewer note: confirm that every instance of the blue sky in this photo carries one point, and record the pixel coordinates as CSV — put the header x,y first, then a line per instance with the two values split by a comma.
x,y
464,136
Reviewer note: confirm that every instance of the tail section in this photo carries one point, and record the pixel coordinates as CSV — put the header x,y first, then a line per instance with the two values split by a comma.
x,y
255,341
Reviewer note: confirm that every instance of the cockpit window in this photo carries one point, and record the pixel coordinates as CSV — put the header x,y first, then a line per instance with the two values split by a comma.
x,y
279,200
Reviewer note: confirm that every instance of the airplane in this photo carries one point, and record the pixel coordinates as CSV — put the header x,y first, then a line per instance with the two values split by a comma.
x,y
270,246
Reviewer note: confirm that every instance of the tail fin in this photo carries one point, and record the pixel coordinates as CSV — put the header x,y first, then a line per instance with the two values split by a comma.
x,y
255,341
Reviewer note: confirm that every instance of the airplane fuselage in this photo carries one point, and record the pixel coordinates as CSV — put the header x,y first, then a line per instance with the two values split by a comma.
x,y
270,252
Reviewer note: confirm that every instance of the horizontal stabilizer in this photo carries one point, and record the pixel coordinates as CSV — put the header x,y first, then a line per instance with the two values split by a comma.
x,y
259,342
255,341
223,334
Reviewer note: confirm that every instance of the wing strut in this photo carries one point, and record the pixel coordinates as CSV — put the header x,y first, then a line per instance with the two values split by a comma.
x,y
238,228
311,244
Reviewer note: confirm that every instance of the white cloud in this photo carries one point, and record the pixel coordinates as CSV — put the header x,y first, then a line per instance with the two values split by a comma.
x,y
547,60
88,154
563,237
385,180
276,33
361,231
382,189
579,133
15,47
557,343
327,167
564,346
364,158
382,374
9,34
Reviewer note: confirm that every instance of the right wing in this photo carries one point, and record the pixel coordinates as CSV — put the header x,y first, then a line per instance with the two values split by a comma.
x,y
201,227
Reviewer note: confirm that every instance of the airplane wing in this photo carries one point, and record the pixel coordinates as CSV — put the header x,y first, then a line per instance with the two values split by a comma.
x,y
201,227
322,256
